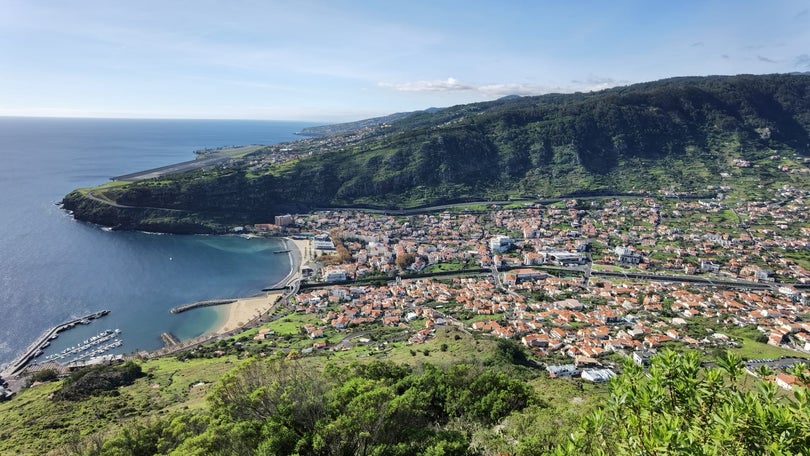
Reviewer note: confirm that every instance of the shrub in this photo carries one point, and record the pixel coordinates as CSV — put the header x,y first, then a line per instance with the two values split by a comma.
x,y
45,375
97,380
678,408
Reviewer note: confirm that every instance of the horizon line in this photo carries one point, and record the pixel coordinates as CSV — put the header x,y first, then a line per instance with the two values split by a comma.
x,y
22,116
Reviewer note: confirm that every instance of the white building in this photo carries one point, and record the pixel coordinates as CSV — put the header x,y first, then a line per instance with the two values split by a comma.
x,y
322,242
598,375
500,244
562,370
335,275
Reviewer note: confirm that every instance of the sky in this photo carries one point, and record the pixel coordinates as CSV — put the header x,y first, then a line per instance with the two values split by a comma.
x,y
332,61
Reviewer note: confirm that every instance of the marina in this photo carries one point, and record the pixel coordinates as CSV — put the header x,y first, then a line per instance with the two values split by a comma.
x,y
35,349
83,350
98,351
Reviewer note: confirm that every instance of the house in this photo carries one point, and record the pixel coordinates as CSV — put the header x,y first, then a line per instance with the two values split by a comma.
x,y
533,258
535,340
626,256
709,266
582,361
597,375
529,274
787,381
561,370
511,261
642,357
564,258
263,333
418,265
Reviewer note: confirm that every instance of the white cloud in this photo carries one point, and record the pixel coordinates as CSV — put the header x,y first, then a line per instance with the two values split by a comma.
x,y
448,85
504,89
454,85
596,83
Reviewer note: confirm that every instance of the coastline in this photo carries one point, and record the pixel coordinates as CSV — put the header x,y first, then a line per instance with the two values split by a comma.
x,y
298,251
239,313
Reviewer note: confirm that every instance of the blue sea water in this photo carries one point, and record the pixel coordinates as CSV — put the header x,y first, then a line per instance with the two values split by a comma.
x,y
53,268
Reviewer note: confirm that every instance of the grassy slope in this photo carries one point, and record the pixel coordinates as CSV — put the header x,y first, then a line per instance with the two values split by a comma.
x,y
34,424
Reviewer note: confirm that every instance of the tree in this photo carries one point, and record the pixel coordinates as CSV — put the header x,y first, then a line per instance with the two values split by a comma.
x,y
275,389
95,380
45,375
281,407
403,261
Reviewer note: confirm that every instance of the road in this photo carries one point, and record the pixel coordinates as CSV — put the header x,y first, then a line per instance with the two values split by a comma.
x,y
90,194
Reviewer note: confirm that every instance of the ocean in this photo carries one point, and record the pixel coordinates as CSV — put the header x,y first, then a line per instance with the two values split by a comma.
x,y
53,269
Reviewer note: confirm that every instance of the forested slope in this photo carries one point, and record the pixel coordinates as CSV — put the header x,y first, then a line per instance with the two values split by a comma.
x,y
675,135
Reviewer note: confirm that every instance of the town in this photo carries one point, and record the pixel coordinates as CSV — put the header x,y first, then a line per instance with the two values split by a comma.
x,y
578,282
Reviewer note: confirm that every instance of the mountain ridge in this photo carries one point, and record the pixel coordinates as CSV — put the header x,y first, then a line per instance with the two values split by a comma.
x,y
346,127
679,135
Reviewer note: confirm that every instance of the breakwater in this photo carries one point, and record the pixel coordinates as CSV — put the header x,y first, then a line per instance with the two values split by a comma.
x,y
194,305
169,339
35,349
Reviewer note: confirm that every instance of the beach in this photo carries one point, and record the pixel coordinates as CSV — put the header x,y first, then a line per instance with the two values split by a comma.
x,y
302,252
239,313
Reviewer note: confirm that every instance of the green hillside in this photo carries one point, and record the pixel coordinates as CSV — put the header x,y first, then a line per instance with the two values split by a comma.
x,y
677,135
277,406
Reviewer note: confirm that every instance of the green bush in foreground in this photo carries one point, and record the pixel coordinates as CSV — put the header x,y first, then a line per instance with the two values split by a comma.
x,y
282,407
678,408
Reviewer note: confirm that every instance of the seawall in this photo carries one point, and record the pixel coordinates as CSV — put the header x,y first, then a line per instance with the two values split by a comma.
x,y
194,305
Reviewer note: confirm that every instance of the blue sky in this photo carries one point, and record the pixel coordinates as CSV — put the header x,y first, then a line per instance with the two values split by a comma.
x,y
347,60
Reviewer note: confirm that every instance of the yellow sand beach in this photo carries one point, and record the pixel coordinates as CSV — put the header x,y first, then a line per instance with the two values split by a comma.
x,y
238,313
304,247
